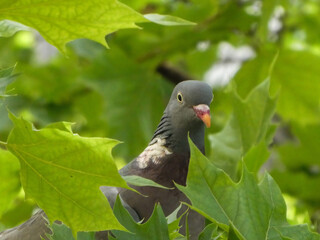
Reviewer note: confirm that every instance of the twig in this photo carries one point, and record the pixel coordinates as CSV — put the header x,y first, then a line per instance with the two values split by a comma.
x,y
172,74
3,145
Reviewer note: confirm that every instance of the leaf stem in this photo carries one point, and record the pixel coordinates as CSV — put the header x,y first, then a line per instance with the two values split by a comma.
x,y
3,144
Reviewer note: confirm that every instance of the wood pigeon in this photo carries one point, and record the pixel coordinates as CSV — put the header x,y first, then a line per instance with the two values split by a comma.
x,y
165,160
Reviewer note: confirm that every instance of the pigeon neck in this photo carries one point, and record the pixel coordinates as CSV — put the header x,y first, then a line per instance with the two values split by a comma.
x,y
179,140
176,137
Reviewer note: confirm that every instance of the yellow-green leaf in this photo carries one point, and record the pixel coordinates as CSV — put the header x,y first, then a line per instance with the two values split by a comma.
x,y
60,22
63,171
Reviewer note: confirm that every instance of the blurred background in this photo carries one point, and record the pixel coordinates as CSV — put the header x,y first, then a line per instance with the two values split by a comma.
x,y
121,92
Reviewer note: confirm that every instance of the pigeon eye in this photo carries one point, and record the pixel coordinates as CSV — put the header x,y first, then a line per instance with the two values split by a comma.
x,y
179,97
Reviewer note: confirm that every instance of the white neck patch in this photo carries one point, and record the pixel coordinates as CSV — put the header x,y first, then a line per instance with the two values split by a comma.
x,y
153,153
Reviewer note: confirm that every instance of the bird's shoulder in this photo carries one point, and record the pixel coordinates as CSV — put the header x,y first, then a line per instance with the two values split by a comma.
x,y
150,158
158,163
153,153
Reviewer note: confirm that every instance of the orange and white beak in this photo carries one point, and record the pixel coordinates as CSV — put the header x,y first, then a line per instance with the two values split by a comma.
x,y
203,112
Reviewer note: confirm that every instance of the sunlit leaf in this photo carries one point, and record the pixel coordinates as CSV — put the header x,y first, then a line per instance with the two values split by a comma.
x,y
58,166
63,126
62,22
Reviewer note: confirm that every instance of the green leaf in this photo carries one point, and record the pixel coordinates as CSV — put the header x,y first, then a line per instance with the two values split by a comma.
x,y
248,126
297,232
254,114
208,232
129,90
255,71
6,72
174,223
62,22
4,82
20,211
9,28
140,181
299,184
306,153
63,171
6,78
63,126
298,100
256,156
61,231
167,20
267,11
154,229
253,210
9,179
301,161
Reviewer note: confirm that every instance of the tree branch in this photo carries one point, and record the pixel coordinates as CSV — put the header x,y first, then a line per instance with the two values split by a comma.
x,y
171,73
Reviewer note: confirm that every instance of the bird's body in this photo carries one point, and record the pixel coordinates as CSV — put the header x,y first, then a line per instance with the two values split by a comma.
x,y
165,160
169,199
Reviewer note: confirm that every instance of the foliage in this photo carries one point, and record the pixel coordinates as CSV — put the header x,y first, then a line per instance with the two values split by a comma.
x,y
63,179
61,231
120,93
247,127
61,23
302,160
155,228
10,179
253,210
5,79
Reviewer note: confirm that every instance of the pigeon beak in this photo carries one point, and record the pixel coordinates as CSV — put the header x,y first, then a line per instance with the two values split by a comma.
x,y
203,112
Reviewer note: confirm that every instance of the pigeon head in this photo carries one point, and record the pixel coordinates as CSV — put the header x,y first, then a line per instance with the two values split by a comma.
x,y
189,104
187,112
